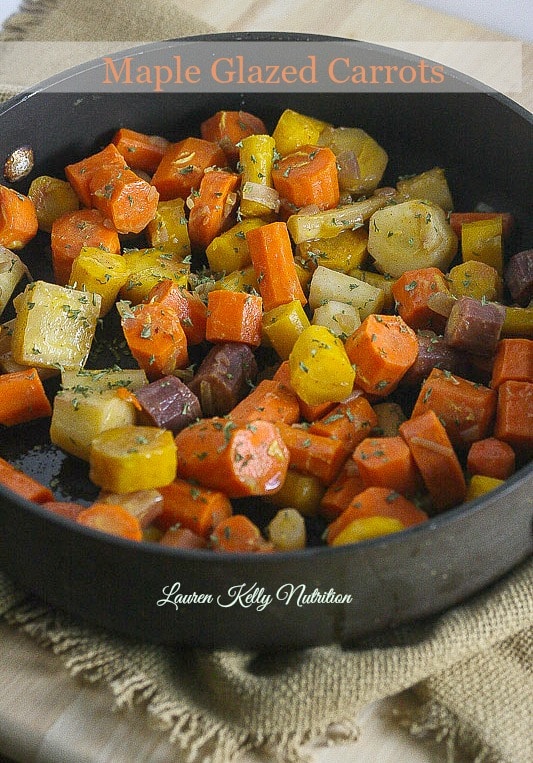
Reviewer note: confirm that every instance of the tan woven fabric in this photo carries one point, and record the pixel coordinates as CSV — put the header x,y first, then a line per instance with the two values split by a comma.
x,y
470,668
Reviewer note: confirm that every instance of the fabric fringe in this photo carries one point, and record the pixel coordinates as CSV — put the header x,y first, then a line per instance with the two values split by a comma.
x,y
30,14
431,720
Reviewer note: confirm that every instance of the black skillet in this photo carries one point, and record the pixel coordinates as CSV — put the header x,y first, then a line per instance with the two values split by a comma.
x,y
485,143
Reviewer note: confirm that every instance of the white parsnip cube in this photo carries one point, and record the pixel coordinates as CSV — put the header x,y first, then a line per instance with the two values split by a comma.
x,y
54,326
390,416
11,271
411,235
78,417
327,285
87,380
7,364
340,318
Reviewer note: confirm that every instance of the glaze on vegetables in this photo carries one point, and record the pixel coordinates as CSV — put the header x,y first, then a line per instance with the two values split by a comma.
x,y
353,356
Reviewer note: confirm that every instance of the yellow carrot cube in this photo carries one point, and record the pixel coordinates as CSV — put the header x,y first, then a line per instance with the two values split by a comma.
x,y
147,268
294,130
131,458
283,325
320,368
168,230
229,251
367,528
300,491
256,160
343,252
100,272
52,198
287,530
239,280
518,322
429,186
361,160
475,279
480,485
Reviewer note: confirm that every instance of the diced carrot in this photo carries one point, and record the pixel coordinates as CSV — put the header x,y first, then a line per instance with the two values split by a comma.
x,y
196,508
436,459
465,408
491,458
182,537
23,484
18,219
238,534
156,339
340,493
140,151
191,310
312,453
234,316
74,230
80,173
283,373
271,252
227,128
377,502
124,198
458,218
130,397
314,412
209,215
238,460
111,518
514,414
381,349
349,422
22,398
308,176
270,401
513,361
68,509
387,462
411,292
182,167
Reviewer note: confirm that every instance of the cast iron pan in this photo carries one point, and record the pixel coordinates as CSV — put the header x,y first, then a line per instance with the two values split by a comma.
x,y
484,142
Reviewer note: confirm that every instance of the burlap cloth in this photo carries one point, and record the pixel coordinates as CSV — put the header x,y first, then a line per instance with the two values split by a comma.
x,y
470,668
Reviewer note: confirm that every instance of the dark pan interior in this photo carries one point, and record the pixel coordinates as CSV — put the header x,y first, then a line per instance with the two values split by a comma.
x,y
484,144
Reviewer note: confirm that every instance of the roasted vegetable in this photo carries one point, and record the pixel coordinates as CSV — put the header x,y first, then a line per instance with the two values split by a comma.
x,y
55,325
410,235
